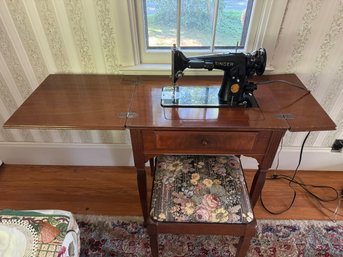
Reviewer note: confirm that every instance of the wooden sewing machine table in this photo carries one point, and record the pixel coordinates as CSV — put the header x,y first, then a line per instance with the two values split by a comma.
x,y
113,102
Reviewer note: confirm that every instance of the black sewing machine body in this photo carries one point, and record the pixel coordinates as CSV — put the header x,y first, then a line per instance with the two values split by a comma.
x,y
235,90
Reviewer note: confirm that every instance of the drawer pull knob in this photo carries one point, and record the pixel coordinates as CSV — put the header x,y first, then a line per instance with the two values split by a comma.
x,y
204,142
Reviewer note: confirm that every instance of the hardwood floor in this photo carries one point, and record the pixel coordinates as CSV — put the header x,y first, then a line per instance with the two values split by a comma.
x,y
112,191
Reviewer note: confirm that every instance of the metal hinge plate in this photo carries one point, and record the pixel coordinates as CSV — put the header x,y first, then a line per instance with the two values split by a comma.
x,y
127,115
285,116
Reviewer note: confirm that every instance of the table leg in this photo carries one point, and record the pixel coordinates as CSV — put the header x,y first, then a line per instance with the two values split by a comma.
x,y
257,186
264,165
141,182
152,166
138,155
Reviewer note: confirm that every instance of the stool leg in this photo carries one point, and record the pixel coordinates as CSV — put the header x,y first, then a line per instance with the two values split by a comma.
x,y
153,235
243,246
154,245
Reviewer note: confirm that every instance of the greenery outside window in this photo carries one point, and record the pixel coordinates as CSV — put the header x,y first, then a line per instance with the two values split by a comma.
x,y
208,25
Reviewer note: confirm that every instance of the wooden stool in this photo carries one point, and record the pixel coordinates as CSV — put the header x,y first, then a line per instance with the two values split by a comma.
x,y
200,195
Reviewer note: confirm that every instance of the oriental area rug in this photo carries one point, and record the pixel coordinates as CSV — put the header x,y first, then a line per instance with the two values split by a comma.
x,y
126,237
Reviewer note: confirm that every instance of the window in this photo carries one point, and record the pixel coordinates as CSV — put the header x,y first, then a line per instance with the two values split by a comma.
x,y
198,27
208,25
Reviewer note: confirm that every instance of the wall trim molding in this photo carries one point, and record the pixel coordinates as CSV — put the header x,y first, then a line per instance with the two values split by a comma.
x,y
121,155
66,154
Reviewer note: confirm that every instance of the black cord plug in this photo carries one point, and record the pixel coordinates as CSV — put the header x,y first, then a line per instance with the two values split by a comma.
x,y
274,176
337,146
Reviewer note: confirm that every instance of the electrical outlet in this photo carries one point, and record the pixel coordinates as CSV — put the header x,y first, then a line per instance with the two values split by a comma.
x,y
337,146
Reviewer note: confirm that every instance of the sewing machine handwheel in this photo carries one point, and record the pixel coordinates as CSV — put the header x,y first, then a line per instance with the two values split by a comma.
x,y
261,56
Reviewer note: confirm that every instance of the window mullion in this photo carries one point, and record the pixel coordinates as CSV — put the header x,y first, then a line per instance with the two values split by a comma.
x,y
246,23
178,25
214,24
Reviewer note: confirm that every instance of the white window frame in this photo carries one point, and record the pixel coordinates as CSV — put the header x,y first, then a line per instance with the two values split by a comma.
x,y
265,25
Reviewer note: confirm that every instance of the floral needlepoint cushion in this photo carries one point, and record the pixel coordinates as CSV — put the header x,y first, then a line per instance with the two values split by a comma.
x,y
200,189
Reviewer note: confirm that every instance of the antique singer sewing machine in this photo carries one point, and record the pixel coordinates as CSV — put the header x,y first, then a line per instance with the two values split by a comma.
x,y
235,91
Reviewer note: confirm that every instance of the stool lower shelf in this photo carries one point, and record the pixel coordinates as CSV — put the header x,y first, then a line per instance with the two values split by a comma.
x,y
200,194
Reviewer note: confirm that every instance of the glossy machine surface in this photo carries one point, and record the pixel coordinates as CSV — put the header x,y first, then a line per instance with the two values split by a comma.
x,y
118,102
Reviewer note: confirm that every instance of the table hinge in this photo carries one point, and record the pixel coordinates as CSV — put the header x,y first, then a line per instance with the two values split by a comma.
x,y
285,116
128,115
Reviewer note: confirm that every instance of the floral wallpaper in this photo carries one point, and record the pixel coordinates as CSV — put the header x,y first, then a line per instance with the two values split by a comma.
x,y
309,45
39,37
49,36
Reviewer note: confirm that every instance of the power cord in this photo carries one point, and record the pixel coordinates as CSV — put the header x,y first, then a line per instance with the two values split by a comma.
x,y
336,212
283,81
305,187
292,180
307,92
275,176
320,206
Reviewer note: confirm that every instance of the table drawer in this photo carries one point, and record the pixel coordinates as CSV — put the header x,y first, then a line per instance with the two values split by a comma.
x,y
205,141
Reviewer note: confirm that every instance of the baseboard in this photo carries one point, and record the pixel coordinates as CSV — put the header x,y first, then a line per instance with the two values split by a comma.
x,y
313,158
66,154
121,155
